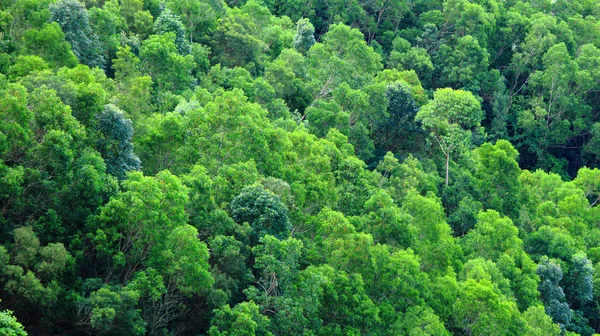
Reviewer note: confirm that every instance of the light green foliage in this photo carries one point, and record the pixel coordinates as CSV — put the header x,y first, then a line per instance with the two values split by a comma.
x,y
197,16
217,131
538,323
386,222
588,180
466,65
276,265
31,272
158,143
450,118
115,309
16,117
405,57
434,243
244,320
162,61
275,167
498,174
420,320
340,301
481,311
49,43
139,218
492,236
133,88
9,325
24,65
342,57
183,259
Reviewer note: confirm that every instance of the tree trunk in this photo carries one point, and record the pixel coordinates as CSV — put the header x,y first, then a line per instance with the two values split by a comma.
x,y
447,164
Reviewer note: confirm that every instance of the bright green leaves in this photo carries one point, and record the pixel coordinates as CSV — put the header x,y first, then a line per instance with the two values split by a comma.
x,y
159,141
183,259
244,320
162,61
386,222
451,107
451,117
588,180
540,324
133,88
217,131
114,309
139,219
498,174
434,242
141,235
466,66
343,56
15,133
9,325
479,310
49,43
493,236
421,320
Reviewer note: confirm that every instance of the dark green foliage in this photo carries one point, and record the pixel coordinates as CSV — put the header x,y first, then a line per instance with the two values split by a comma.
x,y
114,144
401,130
167,22
304,38
74,20
263,210
551,293
306,167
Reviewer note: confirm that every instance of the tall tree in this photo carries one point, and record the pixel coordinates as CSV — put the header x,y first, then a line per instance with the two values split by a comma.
x,y
74,20
451,118
115,142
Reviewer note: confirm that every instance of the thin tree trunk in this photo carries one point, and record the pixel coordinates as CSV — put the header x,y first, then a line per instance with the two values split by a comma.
x,y
447,164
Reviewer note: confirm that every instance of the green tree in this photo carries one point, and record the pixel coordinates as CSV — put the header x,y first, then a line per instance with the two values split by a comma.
x,y
9,325
538,323
244,319
420,320
552,293
498,174
50,44
304,38
162,61
135,225
167,22
450,118
479,310
263,210
74,20
227,130
115,144
197,16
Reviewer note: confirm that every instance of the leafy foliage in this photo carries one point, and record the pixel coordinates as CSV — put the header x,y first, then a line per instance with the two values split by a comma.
x,y
295,167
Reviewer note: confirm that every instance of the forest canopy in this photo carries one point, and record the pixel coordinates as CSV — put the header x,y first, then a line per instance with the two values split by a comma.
x,y
299,167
